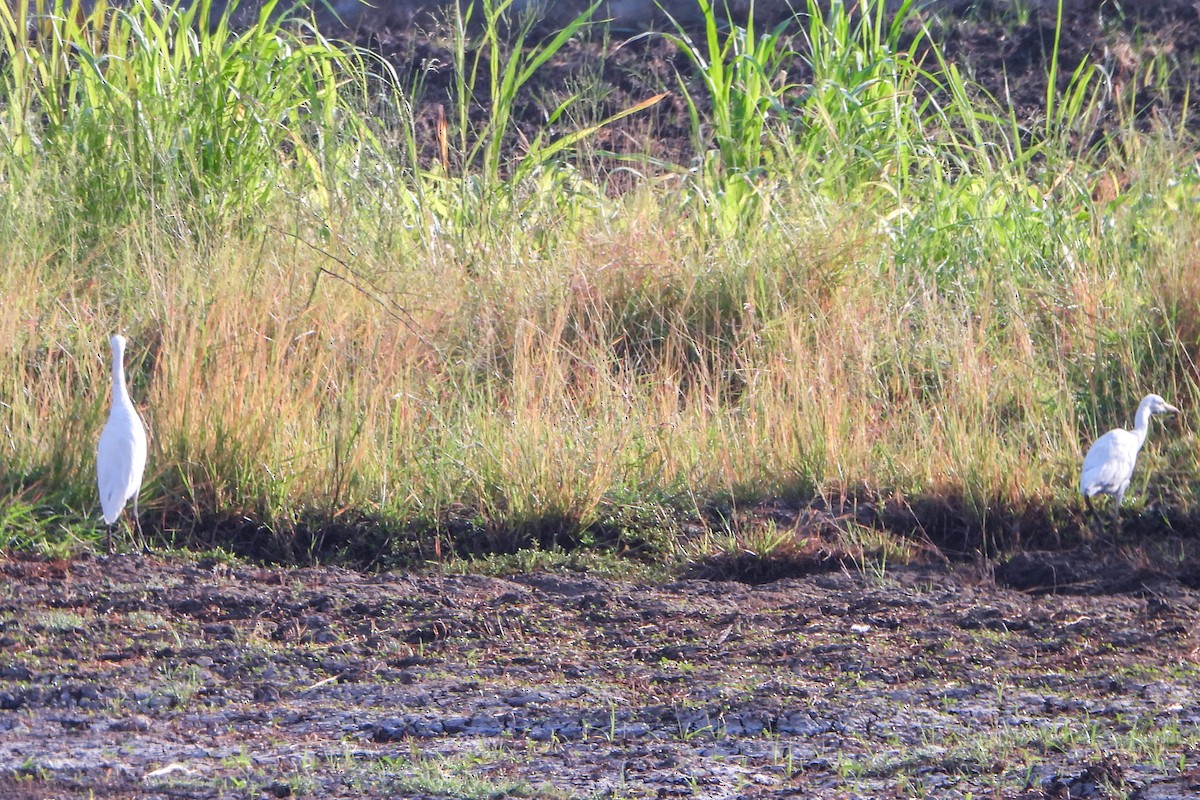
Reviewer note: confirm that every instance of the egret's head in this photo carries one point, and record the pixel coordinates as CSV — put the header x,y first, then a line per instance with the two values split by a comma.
x,y
118,343
1157,405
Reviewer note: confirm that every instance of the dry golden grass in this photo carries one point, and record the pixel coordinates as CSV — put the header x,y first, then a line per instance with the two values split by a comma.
x,y
624,365
482,356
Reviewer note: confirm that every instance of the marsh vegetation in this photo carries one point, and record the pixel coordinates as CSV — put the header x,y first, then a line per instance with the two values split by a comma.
x,y
873,295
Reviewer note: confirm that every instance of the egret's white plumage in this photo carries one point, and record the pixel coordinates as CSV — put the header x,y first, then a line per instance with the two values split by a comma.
x,y
121,456
1108,465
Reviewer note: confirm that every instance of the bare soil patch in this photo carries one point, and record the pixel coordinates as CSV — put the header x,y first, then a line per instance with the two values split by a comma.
x,y
145,677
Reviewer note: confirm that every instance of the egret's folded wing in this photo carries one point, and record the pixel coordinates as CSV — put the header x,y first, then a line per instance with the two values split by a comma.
x,y
1109,463
114,469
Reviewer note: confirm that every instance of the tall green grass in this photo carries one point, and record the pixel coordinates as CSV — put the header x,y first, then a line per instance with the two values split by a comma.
x,y
877,286
743,73
156,111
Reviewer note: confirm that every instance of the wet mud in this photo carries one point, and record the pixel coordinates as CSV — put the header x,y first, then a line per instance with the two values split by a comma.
x,y
146,677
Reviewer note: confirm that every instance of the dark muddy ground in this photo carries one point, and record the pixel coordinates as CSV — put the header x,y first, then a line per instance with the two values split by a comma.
x,y
143,677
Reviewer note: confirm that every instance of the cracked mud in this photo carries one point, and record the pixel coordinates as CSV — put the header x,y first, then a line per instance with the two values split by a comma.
x,y
140,677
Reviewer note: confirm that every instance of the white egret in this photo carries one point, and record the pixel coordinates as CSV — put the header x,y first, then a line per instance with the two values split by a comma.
x,y
121,456
1109,462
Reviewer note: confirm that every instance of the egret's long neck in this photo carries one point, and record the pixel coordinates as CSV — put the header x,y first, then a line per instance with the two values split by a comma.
x,y
120,394
1141,423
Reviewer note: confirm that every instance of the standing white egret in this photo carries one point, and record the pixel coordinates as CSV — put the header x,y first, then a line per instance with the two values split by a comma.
x,y
1109,462
121,456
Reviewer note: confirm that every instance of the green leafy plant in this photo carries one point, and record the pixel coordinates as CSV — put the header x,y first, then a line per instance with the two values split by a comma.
x,y
861,119
497,166
741,72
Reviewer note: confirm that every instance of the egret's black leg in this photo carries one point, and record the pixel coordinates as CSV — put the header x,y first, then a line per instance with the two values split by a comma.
x,y
137,521
1093,519
1117,510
